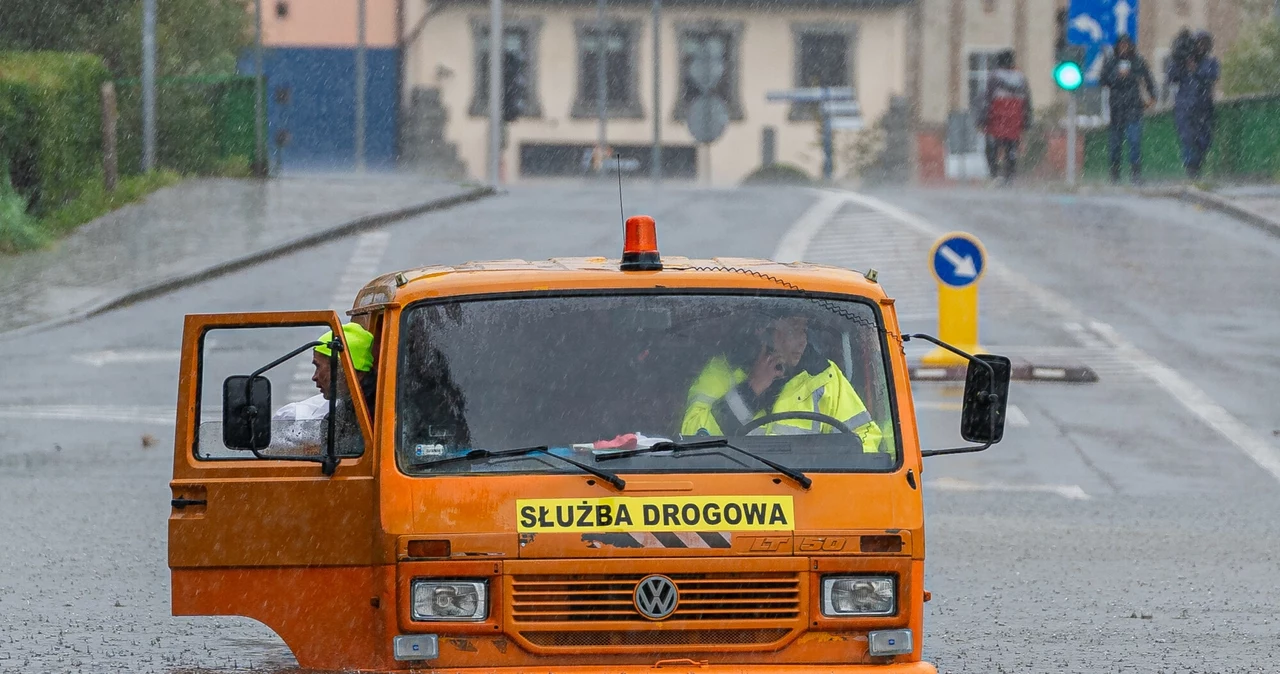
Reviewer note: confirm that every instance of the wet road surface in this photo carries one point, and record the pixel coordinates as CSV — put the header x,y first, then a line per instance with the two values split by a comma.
x,y
1118,527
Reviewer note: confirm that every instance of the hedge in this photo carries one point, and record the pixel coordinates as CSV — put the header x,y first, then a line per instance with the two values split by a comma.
x,y
1246,145
203,123
50,123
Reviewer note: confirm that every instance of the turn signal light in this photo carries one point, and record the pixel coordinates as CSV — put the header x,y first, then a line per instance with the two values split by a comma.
x,y
640,247
428,549
881,544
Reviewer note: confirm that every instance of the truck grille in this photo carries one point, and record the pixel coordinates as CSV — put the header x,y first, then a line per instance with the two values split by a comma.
x,y
563,639
704,597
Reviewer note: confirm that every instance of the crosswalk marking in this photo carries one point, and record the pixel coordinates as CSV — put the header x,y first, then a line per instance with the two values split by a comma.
x,y
370,248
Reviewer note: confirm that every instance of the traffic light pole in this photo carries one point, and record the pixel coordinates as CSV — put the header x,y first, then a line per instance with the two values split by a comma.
x,y
1072,119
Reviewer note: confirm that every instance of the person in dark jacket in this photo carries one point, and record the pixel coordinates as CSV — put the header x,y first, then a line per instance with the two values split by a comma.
x,y
1005,114
1193,112
1125,73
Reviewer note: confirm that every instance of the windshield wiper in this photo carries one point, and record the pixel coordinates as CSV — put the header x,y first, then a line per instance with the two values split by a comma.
x,y
474,454
689,445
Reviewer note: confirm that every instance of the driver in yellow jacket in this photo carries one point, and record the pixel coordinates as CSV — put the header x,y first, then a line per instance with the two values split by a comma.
x,y
787,375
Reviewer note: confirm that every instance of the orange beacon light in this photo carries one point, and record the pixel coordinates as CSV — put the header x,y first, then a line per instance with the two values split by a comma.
x,y
640,248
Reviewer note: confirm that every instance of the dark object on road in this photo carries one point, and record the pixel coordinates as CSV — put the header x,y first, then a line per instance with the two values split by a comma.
x,y
778,174
1125,73
1005,114
1193,110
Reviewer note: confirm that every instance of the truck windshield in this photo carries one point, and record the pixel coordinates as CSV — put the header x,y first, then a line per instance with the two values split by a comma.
x,y
799,380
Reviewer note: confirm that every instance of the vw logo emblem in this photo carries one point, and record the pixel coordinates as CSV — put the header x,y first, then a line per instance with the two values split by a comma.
x,y
656,597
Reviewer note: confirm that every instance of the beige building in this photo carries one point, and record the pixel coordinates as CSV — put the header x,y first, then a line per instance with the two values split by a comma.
x,y
759,47
934,55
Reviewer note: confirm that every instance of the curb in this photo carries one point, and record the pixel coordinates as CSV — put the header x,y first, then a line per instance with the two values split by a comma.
x,y
311,240
1066,374
1199,197
1227,207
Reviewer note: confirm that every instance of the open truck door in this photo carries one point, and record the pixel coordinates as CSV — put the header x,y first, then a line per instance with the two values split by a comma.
x,y
256,500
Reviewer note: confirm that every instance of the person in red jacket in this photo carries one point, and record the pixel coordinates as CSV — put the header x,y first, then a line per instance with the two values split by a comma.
x,y
1005,114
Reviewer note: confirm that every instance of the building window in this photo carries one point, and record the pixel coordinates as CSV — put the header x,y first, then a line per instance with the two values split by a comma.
x,y
282,9
824,58
520,38
720,43
616,44
981,63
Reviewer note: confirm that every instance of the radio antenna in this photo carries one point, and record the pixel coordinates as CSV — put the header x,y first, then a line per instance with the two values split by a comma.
x,y
617,159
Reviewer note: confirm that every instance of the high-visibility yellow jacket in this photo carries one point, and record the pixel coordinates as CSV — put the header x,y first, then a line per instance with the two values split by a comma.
x,y
721,401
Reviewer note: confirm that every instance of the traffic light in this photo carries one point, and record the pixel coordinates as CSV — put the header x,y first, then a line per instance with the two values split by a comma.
x,y
1068,73
514,86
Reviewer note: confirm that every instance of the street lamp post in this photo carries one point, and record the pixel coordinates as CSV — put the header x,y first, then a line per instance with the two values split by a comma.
x,y
655,160
148,85
601,80
495,91
361,73
259,115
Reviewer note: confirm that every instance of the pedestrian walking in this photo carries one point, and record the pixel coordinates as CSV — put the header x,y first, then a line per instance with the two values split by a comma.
x,y
1193,111
1125,73
1005,115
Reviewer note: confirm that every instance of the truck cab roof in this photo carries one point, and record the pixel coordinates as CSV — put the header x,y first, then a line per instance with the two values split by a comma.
x,y
599,273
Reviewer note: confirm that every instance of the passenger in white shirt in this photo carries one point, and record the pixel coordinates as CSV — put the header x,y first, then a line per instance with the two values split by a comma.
x,y
299,427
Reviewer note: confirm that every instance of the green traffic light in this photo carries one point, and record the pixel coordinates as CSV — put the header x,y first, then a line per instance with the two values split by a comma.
x,y
1068,75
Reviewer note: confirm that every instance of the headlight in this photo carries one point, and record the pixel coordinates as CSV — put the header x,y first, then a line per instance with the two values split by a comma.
x,y
457,601
858,595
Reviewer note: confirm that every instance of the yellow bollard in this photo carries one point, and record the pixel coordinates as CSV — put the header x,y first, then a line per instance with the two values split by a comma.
x,y
958,262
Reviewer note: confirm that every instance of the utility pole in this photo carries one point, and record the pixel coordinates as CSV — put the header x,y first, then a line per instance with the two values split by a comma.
x,y
361,73
495,91
655,161
602,49
259,113
148,85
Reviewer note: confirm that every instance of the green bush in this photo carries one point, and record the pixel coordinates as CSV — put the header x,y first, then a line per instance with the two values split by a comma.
x,y
95,201
18,230
778,174
203,124
50,112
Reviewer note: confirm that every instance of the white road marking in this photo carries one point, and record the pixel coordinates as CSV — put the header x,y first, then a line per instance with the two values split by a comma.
x,y
1071,492
100,358
1014,417
361,267
1082,335
795,242
1121,355
93,413
1197,402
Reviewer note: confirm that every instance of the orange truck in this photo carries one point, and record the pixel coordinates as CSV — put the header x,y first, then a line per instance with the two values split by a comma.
x,y
574,465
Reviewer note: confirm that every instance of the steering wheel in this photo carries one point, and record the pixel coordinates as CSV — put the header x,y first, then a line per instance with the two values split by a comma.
x,y
811,416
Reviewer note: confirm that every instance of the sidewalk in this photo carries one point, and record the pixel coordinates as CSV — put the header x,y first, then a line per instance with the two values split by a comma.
x,y
198,229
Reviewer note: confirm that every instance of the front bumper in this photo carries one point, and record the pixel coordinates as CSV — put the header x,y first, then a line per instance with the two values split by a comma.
x,y
696,667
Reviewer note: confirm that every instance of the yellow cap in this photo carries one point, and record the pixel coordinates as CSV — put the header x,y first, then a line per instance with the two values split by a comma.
x,y
359,344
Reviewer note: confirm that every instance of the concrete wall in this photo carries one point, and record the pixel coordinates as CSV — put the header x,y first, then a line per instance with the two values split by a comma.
x,y
443,58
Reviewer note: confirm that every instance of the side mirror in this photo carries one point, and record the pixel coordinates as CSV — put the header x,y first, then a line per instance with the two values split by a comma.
x,y
986,396
246,412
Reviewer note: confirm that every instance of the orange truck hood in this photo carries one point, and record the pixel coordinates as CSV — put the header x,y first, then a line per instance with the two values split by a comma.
x,y
562,516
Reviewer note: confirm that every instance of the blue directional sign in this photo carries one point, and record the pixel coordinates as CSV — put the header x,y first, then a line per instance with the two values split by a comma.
x,y
958,260
1096,24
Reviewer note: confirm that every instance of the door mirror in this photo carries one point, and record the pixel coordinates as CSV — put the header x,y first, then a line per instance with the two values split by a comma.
x,y
246,413
986,395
